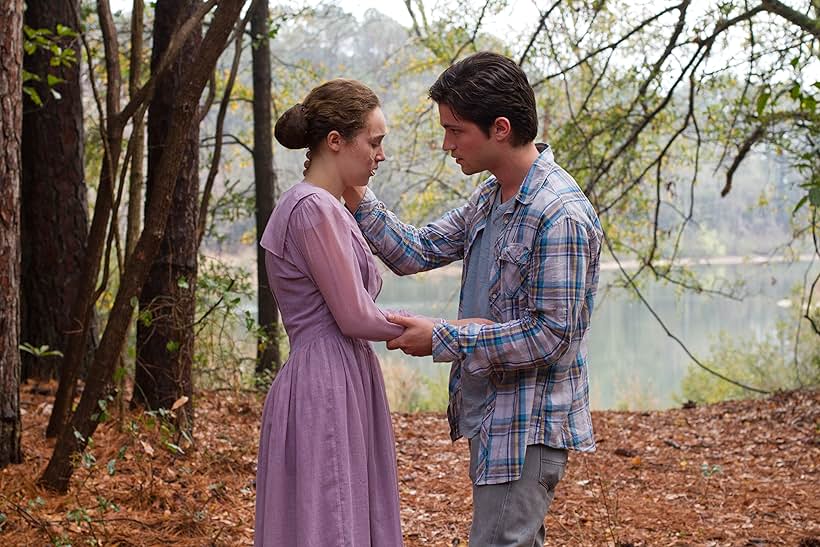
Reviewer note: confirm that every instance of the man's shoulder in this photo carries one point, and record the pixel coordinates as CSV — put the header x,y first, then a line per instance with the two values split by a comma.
x,y
559,197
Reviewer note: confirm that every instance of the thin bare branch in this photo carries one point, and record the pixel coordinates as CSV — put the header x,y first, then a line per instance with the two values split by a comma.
x,y
178,39
668,332
233,140
541,24
808,24
220,124
613,45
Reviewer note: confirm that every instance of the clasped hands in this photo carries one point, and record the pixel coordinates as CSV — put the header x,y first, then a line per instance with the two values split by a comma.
x,y
417,339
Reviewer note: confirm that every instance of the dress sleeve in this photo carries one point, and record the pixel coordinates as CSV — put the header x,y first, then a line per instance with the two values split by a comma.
x,y
324,239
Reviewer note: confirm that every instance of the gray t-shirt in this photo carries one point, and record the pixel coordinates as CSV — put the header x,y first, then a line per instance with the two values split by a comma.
x,y
477,304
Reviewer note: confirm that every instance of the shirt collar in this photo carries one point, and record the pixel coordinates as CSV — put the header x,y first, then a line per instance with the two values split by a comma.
x,y
532,182
536,175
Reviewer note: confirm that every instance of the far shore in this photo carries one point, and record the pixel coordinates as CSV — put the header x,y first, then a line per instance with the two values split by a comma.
x,y
454,270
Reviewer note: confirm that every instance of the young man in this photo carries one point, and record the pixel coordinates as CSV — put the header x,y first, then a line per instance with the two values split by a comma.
x,y
530,241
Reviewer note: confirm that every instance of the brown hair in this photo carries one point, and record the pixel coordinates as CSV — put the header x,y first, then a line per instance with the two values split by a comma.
x,y
341,105
485,86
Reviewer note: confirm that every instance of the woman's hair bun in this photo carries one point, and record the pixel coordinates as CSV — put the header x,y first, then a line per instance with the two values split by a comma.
x,y
292,128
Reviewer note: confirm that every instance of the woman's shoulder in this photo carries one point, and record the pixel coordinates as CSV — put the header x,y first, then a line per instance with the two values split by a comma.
x,y
313,200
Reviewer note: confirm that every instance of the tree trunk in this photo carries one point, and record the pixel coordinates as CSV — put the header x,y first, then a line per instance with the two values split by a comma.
x,y
74,438
11,121
54,208
82,309
136,182
165,345
136,179
268,357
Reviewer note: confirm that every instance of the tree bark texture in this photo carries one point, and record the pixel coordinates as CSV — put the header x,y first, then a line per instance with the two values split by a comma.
x,y
268,357
11,120
165,343
82,310
74,438
54,206
137,175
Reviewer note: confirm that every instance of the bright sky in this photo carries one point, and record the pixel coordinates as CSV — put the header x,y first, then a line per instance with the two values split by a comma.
x,y
517,14
392,8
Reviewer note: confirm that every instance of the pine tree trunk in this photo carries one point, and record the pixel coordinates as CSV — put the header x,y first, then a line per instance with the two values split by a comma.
x,y
82,310
268,357
11,120
54,208
165,346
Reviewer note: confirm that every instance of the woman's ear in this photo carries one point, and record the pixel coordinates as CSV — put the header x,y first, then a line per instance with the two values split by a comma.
x,y
501,129
334,140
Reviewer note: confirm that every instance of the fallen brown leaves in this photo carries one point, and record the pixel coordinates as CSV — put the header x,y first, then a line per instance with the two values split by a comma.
x,y
735,474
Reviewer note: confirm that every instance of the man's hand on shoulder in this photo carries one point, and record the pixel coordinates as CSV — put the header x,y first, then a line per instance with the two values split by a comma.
x,y
353,196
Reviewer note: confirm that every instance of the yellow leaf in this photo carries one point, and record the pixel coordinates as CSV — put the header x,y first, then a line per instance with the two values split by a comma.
x,y
179,402
148,448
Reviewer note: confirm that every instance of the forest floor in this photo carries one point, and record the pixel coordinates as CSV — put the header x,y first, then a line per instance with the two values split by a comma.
x,y
741,473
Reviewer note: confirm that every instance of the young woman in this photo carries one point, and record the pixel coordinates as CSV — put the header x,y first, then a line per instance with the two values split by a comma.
x,y
327,465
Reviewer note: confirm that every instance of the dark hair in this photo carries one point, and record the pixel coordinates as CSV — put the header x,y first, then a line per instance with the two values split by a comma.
x,y
486,86
341,105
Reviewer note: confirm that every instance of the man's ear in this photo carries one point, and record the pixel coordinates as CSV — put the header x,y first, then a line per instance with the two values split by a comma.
x,y
334,140
501,130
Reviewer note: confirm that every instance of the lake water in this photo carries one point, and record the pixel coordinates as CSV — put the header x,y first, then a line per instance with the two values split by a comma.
x,y
632,362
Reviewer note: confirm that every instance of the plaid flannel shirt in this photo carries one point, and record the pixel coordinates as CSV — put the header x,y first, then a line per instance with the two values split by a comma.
x,y
542,290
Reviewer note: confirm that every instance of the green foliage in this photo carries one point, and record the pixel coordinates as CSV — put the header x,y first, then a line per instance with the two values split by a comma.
x,y
102,414
36,502
708,470
771,363
52,43
41,351
227,329
163,422
408,390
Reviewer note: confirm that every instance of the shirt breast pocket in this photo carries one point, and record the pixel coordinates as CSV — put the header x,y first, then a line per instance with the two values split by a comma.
x,y
513,260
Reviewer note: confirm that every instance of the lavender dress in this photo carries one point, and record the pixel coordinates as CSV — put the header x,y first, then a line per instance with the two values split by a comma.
x,y
326,474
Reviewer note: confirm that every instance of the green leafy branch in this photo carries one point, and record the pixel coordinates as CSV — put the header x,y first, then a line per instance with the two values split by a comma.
x,y
48,42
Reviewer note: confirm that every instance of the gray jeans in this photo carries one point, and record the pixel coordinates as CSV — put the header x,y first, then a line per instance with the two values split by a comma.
x,y
512,514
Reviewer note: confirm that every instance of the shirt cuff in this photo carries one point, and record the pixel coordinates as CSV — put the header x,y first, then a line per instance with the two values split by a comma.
x,y
445,342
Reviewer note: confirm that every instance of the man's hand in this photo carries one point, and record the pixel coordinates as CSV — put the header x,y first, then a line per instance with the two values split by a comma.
x,y
417,339
353,197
